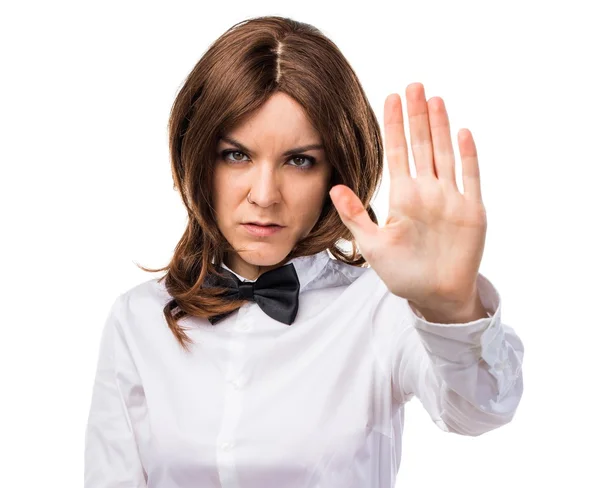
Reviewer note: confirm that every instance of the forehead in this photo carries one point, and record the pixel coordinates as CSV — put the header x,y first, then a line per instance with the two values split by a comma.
x,y
280,121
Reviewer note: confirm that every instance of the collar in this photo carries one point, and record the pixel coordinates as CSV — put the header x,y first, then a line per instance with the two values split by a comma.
x,y
307,267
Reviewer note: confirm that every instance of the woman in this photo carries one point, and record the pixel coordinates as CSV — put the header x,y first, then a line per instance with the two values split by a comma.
x,y
271,354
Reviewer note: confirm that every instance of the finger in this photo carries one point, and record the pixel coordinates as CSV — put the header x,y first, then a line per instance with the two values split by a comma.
x,y
353,214
420,135
443,154
470,165
396,149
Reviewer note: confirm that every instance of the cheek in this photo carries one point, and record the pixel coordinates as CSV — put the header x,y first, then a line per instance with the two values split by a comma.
x,y
226,189
309,203
222,198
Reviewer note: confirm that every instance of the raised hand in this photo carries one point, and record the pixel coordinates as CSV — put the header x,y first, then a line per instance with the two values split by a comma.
x,y
431,245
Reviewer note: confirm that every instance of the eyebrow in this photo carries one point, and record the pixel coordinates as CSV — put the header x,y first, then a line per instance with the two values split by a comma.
x,y
295,150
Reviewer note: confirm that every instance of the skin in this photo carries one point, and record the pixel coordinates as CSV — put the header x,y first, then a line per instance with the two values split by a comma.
x,y
431,245
286,189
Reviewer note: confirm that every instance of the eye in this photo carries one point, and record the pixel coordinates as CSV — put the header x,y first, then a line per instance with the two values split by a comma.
x,y
224,155
300,161
309,161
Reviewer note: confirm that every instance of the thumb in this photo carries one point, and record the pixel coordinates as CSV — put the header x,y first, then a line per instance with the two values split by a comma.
x,y
353,214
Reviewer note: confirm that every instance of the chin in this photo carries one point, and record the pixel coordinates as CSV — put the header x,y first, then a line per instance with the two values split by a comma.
x,y
265,254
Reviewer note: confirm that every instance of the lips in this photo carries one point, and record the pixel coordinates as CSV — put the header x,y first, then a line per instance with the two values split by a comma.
x,y
263,224
261,230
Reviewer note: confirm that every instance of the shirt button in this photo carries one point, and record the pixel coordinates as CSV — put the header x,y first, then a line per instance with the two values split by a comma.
x,y
227,446
243,327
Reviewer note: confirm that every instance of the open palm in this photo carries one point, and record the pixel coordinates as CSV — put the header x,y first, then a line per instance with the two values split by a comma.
x,y
430,247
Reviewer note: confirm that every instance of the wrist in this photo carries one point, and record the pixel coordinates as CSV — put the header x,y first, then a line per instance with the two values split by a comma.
x,y
455,313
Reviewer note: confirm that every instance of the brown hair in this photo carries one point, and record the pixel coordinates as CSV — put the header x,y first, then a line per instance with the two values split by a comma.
x,y
236,75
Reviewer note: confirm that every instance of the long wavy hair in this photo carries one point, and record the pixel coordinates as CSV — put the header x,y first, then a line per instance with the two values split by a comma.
x,y
237,74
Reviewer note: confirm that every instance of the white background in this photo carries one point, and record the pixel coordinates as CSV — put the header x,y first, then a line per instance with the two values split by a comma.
x,y
86,191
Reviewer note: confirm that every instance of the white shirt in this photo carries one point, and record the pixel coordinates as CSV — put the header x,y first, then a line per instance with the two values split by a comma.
x,y
261,404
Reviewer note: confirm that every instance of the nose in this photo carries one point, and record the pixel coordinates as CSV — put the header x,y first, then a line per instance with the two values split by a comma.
x,y
265,188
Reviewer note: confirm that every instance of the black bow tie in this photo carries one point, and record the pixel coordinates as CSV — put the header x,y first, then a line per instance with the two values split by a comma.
x,y
275,292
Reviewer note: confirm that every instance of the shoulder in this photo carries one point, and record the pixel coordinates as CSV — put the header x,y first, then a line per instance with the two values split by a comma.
x,y
337,273
346,272
152,290
142,299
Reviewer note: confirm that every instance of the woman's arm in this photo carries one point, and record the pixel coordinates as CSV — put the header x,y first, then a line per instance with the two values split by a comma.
x,y
111,452
467,376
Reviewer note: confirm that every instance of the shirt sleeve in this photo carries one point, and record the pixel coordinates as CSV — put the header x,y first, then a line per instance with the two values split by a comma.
x,y
467,376
111,453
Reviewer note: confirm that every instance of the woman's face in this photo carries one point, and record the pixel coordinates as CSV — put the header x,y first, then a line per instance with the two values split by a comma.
x,y
275,156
